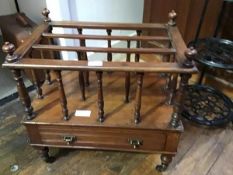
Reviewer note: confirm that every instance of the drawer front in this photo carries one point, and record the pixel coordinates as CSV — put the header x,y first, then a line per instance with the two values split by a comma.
x,y
99,138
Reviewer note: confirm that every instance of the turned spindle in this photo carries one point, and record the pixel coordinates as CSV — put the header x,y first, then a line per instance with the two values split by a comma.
x,y
81,85
62,95
46,13
172,18
36,81
81,80
127,76
100,97
172,88
138,45
83,56
109,55
9,48
137,116
47,72
190,54
178,101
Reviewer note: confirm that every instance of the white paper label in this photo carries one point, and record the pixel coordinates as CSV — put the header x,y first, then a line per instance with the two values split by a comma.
x,y
82,113
95,63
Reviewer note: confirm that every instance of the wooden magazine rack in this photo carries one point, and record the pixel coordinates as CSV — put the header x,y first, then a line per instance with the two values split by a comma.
x,y
130,108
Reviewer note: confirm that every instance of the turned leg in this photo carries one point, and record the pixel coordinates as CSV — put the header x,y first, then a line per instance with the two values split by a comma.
x,y
44,154
165,161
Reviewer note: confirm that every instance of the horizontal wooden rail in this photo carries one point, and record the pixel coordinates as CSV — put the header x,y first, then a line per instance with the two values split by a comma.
x,y
104,37
99,25
105,50
28,63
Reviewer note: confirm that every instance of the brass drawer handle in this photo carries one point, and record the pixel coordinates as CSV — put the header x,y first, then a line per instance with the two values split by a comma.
x,y
135,142
69,139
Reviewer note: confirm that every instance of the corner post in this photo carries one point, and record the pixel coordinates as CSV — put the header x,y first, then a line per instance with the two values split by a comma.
x,y
23,94
190,53
47,19
171,79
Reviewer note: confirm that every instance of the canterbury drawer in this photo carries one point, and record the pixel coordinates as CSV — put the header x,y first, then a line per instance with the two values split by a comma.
x,y
98,137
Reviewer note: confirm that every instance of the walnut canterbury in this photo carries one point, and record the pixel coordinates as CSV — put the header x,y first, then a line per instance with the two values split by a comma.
x,y
142,122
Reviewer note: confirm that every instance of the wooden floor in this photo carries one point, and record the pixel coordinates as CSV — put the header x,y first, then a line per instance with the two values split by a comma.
x,y
201,151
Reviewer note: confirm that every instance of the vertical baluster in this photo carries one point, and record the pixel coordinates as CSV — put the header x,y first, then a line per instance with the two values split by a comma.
x,y
100,97
109,55
84,56
37,85
137,116
47,72
23,94
127,76
81,80
62,95
180,94
172,88
138,45
36,81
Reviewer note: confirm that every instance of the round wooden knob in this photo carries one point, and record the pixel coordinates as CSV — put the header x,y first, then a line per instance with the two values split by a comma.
x,y
190,53
46,13
172,17
8,48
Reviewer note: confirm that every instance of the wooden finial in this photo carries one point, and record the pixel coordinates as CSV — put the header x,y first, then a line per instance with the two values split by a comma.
x,y
9,48
190,53
172,18
46,13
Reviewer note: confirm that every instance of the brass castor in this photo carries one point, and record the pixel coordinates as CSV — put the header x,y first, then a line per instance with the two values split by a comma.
x,y
165,161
